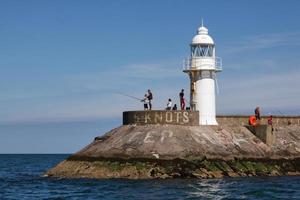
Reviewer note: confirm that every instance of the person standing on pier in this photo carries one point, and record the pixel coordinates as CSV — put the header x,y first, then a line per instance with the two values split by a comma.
x,y
182,100
270,122
257,113
150,97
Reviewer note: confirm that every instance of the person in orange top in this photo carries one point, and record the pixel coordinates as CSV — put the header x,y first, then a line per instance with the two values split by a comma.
x,y
252,120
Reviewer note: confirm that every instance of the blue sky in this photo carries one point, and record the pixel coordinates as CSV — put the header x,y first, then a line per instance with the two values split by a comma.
x,y
62,62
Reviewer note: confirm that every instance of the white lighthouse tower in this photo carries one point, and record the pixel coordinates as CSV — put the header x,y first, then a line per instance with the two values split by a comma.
x,y
202,66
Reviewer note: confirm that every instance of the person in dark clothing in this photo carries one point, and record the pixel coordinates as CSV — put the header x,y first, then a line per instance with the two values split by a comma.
x,y
257,113
182,100
150,97
174,107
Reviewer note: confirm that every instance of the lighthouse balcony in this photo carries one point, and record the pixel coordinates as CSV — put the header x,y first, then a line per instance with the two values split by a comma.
x,y
202,63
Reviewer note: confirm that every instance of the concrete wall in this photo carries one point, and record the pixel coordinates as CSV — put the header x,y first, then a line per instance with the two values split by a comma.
x,y
188,118
191,118
264,133
243,120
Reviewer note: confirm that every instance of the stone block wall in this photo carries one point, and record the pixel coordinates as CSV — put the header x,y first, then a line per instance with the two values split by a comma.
x,y
243,120
191,118
176,117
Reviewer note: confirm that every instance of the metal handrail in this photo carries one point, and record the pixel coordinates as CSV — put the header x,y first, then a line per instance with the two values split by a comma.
x,y
189,62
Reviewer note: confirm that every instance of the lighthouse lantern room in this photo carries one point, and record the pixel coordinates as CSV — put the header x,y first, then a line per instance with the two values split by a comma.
x,y
202,66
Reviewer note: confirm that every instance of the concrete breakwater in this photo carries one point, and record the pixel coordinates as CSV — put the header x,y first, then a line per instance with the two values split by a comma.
x,y
172,150
278,120
187,117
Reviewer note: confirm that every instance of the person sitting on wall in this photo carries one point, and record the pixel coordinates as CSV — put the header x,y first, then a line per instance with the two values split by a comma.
x,y
169,104
146,101
174,107
252,120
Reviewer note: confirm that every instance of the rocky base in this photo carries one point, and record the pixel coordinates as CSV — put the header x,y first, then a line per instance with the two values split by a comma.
x,y
174,151
150,169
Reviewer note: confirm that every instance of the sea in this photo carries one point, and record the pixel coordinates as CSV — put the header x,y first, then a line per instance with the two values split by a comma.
x,y
21,177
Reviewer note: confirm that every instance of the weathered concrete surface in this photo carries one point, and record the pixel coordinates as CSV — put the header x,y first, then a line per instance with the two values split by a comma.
x,y
191,118
175,117
241,120
264,133
150,151
174,141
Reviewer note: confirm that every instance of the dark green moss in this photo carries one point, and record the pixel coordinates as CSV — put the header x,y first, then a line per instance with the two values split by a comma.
x,y
186,168
237,166
141,165
222,166
210,165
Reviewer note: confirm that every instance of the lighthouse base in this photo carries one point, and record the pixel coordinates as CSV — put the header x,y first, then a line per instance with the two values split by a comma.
x,y
207,120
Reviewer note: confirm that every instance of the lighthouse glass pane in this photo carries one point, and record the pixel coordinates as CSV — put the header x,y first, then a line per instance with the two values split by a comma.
x,y
202,51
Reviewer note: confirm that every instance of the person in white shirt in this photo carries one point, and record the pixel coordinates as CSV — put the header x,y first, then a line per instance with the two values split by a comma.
x,y
146,101
169,105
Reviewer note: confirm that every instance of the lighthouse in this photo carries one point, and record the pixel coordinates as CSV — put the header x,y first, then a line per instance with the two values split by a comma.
x,y
202,66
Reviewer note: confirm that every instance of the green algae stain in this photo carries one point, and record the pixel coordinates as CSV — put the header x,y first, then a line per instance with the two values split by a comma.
x,y
188,168
141,165
210,165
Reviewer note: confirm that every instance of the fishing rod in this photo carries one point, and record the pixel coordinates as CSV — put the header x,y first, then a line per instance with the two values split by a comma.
x,y
280,112
126,95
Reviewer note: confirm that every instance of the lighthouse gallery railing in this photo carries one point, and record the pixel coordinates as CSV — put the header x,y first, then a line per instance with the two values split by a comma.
x,y
199,63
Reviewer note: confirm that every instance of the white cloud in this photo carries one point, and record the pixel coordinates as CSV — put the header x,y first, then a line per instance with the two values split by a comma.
x,y
266,63
270,91
93,95
152,70
263,41
127,75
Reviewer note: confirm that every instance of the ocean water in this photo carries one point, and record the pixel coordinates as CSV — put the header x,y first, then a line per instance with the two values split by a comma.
x,y
21,178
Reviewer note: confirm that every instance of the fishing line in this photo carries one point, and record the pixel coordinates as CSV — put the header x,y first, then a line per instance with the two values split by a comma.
x,y
126,95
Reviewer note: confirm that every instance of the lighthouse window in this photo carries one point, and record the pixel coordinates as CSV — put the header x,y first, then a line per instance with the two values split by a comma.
x,y
202,51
